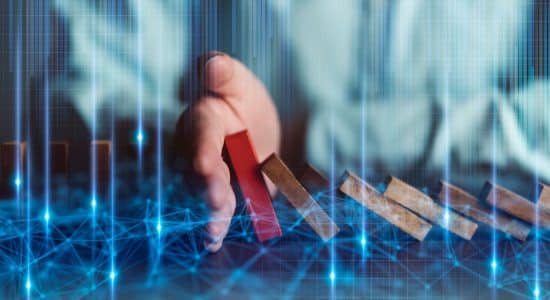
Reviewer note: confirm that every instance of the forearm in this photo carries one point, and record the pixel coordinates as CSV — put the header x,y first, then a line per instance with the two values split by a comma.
x,y
490,128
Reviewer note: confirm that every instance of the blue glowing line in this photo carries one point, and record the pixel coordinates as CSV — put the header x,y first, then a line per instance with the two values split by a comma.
x,y
139,46
494,264
113,200
332,202
18,98
447,141
363,90
47,130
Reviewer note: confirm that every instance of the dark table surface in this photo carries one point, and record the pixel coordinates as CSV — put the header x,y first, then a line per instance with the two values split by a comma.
x,y
73,254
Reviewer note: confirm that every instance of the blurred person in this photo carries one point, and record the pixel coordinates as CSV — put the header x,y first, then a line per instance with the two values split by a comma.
x,y
367,85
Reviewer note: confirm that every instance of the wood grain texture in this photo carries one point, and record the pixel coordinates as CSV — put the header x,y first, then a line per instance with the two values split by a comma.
x,y
12,164
100,151
544,197
423,205
244,162
313,180
515,205
357,189
276,170
59,155
470,206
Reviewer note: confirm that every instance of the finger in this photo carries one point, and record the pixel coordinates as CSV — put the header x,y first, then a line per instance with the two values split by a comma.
x,y
227,77
222,202
209,131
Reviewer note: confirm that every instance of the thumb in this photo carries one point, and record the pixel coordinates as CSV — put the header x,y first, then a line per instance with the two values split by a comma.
x,y
225,76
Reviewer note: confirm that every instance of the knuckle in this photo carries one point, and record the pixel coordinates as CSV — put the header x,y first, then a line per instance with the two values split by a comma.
x,y
202,164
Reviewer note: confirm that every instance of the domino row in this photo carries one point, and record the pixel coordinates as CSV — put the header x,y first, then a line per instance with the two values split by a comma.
x,y
13,163
400,204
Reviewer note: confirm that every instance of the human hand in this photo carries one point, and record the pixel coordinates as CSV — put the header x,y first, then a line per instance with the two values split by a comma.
x,y
233,100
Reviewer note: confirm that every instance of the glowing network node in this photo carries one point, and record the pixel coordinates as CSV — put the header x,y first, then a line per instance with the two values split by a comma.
x,y
159,227
446,216
363,241
28,285
47,216
139,137
93,203
536,292
494,264
332,276
112,275
17,181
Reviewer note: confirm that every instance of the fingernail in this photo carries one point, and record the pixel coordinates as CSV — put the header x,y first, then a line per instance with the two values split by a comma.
x,y
212,246
211,55
204,59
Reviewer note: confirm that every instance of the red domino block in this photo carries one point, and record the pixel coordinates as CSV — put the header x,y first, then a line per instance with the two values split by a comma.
x,y
246,167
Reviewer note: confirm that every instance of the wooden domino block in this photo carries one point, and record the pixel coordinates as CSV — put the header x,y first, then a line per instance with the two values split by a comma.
x,y
366,195
544,198
276,170
423,205
245,164
313,180
101,155
59,156
515,205
469,205
12,167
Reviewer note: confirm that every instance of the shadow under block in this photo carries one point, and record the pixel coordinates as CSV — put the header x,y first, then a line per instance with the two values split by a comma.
x,y
100,152
544,198
366,195
515,205
12,166
313,180
423,205
244,162
470,206
276,170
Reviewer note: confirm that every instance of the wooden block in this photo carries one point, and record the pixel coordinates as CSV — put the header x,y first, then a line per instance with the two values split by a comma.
x,y
313,180
362,192
101,149
276,170
423,205
544,197
59,156
244,162
469,205
12,167
515,205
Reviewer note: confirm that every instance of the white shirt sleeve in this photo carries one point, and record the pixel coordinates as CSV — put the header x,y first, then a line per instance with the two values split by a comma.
x,y
126,63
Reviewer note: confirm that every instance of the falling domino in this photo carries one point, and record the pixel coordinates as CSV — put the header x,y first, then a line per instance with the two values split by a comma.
x,y
468,205
362,192
11,170
515,205
423,205
276,170
544,198
245,164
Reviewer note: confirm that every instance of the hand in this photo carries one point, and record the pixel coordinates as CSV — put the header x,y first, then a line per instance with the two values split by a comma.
x,y
233,100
